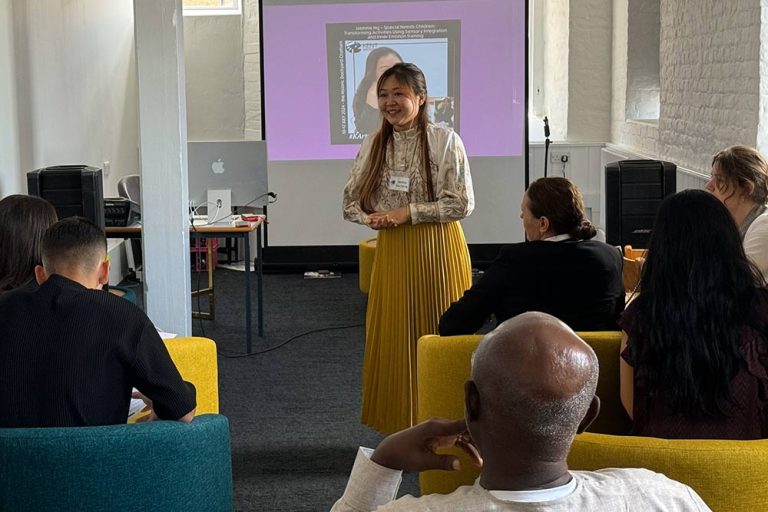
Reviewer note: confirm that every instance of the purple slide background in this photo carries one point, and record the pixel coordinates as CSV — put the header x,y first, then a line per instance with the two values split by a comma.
x,y
296,73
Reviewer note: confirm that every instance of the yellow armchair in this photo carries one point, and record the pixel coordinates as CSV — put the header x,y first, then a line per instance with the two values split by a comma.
x,y
728,475
196,361
366,253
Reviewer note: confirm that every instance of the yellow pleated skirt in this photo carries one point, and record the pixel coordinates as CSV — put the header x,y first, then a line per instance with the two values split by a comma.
x,y
418,271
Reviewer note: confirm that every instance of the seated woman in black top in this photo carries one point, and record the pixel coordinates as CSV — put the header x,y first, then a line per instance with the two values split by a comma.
x,y
559,270
695,357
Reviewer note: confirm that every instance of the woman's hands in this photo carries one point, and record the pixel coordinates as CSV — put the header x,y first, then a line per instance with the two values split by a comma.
x,y
389,219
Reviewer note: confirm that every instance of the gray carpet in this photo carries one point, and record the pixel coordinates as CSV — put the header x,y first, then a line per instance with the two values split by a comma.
x,y
294,412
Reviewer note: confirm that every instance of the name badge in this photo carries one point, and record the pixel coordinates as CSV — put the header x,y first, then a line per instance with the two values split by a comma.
x,y
400,182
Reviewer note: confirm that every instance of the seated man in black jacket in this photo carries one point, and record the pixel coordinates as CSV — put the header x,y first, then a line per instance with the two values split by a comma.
x,y
70,353
559,270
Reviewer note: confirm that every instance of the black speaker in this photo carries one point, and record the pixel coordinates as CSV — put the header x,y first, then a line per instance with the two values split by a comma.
x,y
71,189
633,191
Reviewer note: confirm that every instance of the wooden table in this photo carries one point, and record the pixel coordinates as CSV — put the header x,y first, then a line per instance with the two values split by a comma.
x,y
222,230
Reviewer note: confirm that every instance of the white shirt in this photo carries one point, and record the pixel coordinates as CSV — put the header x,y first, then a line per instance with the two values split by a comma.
x,y
756,243
372,487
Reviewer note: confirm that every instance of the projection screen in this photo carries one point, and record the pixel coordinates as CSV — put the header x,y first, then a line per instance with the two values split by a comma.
x,y
316,73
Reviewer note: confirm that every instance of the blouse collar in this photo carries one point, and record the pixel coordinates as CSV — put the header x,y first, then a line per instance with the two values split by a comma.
x,y
405,134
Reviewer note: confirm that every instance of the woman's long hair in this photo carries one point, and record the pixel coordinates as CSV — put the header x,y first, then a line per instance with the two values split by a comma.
x,y
371,62
410,76
560,201
23,221
697,293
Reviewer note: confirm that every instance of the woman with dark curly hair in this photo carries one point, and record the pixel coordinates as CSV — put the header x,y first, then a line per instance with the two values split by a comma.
x,y
559,270
23,221
695,352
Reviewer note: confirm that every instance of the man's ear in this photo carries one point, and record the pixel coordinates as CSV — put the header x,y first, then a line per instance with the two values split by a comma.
x,y
471,401
40,274
104,272
592,412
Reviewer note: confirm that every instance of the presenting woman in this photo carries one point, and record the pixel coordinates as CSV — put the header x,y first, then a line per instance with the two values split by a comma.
x,y
739,179
411,182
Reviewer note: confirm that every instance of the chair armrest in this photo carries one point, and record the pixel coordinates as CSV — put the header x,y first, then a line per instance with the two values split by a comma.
x,y
196,361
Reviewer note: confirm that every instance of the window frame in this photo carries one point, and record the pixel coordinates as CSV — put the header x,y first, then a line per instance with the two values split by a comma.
x,y
237,10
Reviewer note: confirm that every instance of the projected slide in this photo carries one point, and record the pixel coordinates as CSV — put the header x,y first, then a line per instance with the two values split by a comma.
x,y
359,52
322,59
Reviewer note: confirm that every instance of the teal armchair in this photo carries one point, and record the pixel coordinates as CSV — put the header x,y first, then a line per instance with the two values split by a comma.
x,y
162,465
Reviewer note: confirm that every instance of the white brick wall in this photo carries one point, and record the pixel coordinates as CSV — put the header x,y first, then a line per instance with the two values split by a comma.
x,y
762,127
556,68
589,75
710,78
710,81
638,135
643,60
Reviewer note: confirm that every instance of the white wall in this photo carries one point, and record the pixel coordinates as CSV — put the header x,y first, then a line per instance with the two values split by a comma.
x,y
710,81
10,172
589,70
213,60
573,88
762,127
643,60
556,97
76,83
583,168
710,78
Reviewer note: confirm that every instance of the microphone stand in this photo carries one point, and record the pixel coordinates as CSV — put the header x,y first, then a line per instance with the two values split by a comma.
x,y
547,142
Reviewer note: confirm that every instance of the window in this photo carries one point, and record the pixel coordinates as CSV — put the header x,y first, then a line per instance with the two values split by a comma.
x,y
211,7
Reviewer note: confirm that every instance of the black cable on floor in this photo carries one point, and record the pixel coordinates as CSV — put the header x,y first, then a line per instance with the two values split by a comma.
x,y
283,343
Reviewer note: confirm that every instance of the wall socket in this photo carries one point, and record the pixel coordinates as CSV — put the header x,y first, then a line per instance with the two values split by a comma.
x,y
106,169
219,205
559,157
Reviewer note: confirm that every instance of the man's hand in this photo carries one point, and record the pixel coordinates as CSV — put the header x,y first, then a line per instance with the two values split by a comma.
x,y
414,449
147,407
147,402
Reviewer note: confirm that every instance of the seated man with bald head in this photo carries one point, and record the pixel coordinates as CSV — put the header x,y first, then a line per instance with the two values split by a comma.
x,y
532,389
70,353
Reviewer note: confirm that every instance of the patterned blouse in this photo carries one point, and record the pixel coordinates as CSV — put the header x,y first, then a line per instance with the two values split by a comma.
x,y
450,178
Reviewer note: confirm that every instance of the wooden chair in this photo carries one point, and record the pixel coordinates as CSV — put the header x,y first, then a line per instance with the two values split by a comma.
x,y
631,269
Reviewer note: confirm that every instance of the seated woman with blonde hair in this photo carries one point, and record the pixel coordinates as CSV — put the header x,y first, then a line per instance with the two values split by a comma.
x,y
559,270
739,179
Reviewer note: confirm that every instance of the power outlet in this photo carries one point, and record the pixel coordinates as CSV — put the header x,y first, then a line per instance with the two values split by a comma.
x,y
219,205
106,169
559,157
